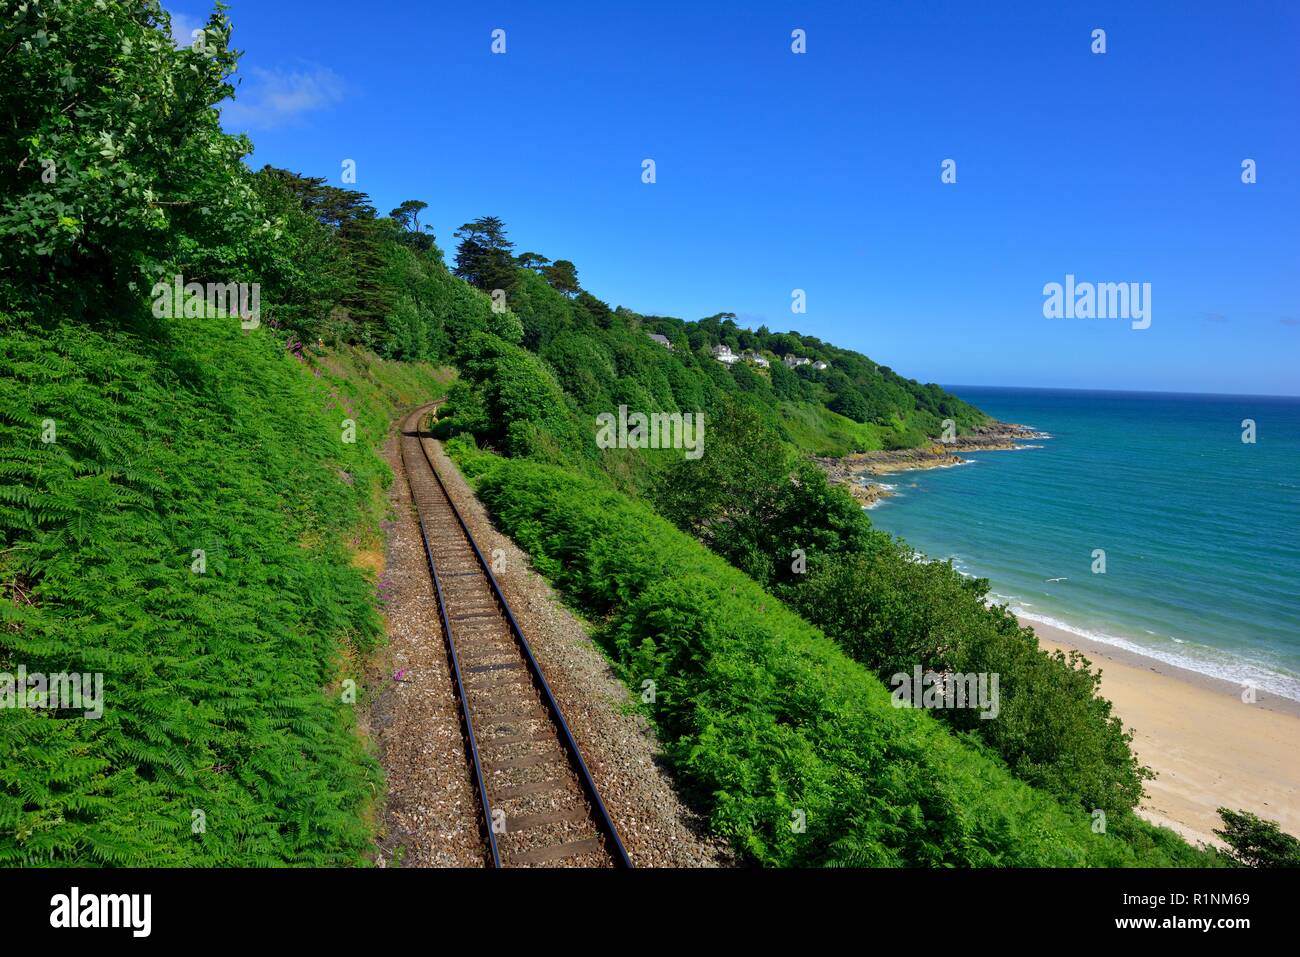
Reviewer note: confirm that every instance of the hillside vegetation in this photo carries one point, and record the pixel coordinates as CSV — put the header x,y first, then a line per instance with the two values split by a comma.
x,y
187,532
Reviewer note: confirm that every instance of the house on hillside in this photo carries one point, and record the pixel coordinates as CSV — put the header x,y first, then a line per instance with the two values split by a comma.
x,y
819,365
755,358
723,353
791,361
662,340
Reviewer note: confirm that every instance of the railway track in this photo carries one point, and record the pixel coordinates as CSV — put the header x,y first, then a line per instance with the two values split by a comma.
x,y
539,804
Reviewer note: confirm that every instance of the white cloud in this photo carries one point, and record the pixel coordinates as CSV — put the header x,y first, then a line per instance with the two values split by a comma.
x,y
183,28
268,99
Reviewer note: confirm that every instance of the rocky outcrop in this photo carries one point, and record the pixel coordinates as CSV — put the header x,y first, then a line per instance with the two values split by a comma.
x,y
850,471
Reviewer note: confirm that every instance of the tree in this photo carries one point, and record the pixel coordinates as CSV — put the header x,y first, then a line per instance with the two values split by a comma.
x,y
1256,842
891,613
483,257
786,343
563,277
115,165
849,402
305,274
753,502
531,260
731,497
407,216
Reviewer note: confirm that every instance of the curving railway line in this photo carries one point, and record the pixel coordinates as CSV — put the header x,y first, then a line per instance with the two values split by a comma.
x,y
539,804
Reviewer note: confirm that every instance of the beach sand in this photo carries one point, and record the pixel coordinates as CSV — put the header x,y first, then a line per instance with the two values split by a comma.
x,y
1207,747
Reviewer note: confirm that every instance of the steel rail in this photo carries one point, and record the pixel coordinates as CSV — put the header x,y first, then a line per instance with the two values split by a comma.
x,y
455,659
602,819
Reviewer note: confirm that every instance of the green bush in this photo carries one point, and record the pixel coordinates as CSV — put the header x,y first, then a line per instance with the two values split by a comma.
x,y
523,409
1256,842
892,613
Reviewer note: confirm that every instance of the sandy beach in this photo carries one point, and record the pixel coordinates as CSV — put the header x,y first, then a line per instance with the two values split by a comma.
x,y
1207,747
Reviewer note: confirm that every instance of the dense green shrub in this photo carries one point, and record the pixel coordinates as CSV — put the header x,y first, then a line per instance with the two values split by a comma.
x,y
1257,843
758,504
522,407
892,613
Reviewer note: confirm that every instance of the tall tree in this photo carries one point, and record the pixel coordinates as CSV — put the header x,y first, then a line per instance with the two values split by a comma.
x,y
414,235
531,260
563,276
483,257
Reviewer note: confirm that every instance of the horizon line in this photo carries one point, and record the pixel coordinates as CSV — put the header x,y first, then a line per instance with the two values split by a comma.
x,y
1045,388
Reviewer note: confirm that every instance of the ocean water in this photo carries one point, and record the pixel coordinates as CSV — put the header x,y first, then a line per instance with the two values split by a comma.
x,y
1201,531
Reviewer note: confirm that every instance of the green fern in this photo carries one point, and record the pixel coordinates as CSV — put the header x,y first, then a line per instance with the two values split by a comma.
x,y
214,684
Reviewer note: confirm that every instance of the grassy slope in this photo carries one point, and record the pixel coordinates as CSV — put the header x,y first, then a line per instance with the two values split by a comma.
x,y
221,689
819,431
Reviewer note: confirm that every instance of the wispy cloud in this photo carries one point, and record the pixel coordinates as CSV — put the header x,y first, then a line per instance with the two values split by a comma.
x,y
1289,321
1216,317
270,99
183,27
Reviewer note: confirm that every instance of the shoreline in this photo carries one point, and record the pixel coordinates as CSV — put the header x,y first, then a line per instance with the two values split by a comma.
x,y
1207,747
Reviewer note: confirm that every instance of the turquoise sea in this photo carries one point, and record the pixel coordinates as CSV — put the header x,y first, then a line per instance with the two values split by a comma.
x,y
1201,531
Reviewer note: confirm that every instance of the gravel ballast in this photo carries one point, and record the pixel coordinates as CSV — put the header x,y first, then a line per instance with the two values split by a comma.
x,y
431,809
431,812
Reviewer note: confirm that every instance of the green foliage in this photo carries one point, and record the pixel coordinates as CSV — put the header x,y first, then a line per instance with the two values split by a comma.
x,y
892,613
114,169
1255,842
762,717
602,358
765,510
483,258
419,238
819,431
304,272
338,272
562,276
754,502
220,688
517,405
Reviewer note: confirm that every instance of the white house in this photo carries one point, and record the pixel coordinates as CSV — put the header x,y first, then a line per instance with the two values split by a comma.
x,y
662,340
755,358
723,353
819,365
792,360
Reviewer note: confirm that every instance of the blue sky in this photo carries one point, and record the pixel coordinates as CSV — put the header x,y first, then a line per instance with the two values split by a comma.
x,y
821,171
